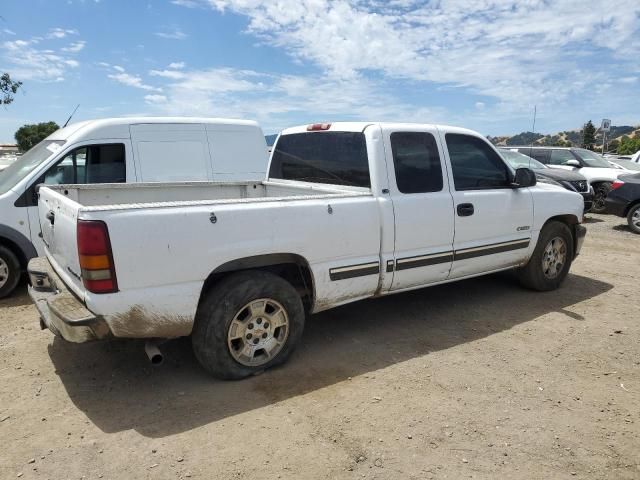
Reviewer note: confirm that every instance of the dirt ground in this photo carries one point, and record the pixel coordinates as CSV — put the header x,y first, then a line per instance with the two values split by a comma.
x,y
478,379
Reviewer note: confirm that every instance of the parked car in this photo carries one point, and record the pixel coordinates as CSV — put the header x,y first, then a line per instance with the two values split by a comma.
x,y
348,211
624,200
591,165
625,165
572,181
118,150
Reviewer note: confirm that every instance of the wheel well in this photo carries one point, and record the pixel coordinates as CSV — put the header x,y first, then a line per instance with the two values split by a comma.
x,y
630,206
5,242
291,267
567,219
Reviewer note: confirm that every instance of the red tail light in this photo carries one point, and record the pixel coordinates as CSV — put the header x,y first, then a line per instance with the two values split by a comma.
x,y
617,184
318,126
96,258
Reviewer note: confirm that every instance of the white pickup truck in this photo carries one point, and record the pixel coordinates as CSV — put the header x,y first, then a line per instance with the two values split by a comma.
x,y
348,211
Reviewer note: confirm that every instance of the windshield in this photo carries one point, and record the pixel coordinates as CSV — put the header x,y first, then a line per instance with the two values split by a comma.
x,y
22,167
518,160
592,159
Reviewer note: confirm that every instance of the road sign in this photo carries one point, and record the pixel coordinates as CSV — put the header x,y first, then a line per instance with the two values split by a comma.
x,y
606,125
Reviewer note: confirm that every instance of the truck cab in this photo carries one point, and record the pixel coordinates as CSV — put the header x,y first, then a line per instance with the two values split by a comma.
x,y
119,150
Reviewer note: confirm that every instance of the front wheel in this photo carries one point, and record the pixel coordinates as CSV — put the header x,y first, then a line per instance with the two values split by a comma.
x,y
633,218
600,192
551,259
10,271
248,322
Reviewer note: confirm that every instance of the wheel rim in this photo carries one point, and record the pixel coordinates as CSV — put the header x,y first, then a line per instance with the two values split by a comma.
x,y
4,272
635,219
554,257
599,199
258,332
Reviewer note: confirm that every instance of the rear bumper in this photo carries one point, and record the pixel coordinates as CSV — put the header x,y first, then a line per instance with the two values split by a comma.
x,y
61,311
580,233
616,206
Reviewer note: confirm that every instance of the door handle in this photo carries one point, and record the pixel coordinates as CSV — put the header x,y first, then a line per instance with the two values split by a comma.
x,y
465,209
51,217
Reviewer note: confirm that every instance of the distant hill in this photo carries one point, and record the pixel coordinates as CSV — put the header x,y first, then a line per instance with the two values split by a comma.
x,y
270,139
567,138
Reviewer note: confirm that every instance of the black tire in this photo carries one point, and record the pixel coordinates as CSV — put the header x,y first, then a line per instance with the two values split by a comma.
x,y
223,303
600,192
11,277
633,223
532,275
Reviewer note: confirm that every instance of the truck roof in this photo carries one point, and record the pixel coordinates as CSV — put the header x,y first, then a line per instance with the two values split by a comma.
x,y
119,127
360,126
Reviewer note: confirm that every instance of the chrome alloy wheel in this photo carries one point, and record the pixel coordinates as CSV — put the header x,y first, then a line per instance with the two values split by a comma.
x,y
554,257
258,332
4,272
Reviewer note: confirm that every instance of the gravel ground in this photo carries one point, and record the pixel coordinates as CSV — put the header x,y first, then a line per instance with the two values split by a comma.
x,y
476,379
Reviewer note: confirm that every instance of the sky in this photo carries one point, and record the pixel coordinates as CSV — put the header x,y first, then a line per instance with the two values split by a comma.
x,y
480,64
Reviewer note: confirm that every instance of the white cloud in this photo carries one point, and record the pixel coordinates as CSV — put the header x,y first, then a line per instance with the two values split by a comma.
x,y
33,60
61,32
277,100
8,32
155,99
177,65
172,34
479,105
74,47
132,81
516,52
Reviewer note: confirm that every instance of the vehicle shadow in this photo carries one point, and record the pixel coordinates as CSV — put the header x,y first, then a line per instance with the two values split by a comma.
x,y
114,385
592,220
18,298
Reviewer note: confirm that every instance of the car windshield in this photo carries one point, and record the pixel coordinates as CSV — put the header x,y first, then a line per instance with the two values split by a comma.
x,y
592,159
24,165
518,160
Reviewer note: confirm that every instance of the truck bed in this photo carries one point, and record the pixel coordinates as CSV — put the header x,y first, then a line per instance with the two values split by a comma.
x,y
120,196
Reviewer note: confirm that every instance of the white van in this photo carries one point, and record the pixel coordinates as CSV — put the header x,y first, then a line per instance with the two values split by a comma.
x,y
118,150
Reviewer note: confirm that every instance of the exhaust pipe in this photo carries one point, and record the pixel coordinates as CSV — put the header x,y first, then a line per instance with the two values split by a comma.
x,y
153,352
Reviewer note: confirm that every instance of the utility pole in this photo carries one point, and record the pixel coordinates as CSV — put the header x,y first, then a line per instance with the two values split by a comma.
x,y
606,126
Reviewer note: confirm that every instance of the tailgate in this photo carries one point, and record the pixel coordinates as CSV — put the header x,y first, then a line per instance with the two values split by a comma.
x,y
58,220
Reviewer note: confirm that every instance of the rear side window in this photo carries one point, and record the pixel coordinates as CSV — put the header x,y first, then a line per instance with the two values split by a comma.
x,y
475,164
338,158
416,162
560,157
540,155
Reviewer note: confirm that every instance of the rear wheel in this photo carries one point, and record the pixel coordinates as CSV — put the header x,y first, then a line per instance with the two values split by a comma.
x,y
10,271
633,218
600,192
249,322
551,259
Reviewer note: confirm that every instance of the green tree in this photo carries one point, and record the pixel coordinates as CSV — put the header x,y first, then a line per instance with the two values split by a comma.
x,y
29,135
628,146
8,89
589,135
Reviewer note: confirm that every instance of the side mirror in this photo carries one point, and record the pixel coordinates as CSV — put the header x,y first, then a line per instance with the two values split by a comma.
x,y
573,163
524,178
